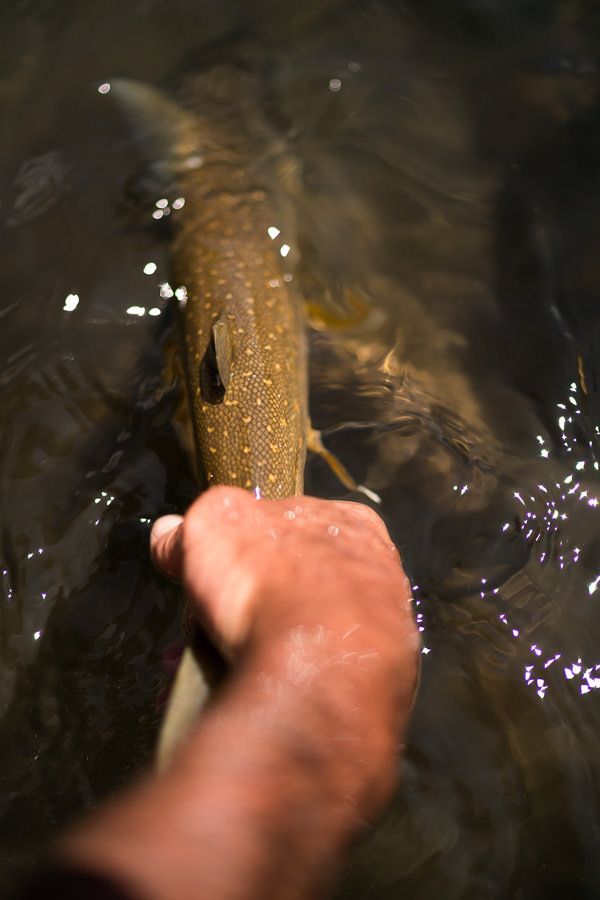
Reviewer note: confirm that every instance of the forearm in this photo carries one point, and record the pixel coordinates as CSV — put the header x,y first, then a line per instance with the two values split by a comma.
x,y
270,790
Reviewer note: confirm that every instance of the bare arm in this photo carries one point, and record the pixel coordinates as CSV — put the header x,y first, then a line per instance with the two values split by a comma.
x,y
299,752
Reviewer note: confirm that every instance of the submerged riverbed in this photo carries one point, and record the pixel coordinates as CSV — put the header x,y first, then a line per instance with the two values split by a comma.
x,y
451,187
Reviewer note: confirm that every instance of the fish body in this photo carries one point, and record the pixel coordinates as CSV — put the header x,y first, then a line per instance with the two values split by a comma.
x,y
242,327
243,334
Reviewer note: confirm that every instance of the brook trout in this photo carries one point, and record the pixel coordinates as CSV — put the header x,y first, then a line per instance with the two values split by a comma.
x,y
243,329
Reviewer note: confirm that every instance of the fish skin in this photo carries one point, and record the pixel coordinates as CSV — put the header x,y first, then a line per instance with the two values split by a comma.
x,y
255,437
234,173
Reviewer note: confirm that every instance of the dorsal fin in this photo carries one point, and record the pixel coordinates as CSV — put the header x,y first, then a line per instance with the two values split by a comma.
x,y
168,135
215,366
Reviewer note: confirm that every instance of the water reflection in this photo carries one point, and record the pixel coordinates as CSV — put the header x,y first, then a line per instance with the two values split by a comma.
x,y
447,224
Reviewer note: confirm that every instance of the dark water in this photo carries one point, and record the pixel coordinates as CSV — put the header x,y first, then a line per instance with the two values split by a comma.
x,y
451,159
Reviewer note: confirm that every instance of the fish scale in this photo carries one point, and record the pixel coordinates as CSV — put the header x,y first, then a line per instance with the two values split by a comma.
x,y
255,437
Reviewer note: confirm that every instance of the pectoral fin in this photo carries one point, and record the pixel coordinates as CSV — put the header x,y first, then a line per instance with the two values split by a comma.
x,y
215,367
315,444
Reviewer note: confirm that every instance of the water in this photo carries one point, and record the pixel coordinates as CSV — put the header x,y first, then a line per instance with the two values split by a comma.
x,y
451,182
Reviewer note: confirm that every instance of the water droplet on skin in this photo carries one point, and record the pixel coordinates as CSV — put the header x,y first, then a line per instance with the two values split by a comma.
x,y
333,530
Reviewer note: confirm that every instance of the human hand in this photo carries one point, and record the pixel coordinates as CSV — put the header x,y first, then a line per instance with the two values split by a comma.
x,y
250,568
312,590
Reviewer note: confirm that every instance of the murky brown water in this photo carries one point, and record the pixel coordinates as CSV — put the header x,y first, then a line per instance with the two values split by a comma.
x,y
451,158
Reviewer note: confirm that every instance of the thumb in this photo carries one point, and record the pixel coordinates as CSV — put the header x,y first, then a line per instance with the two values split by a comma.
x,y
166,546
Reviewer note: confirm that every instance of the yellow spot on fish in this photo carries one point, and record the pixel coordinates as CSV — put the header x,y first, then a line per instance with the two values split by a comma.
x,y
204,407
267,381
283,422
246,419
269,429
246,374
249,351
208,294
225,432
272,478
274,448
258,401
233,475
229,296
210,428
248,483
246,450
213,449
200,332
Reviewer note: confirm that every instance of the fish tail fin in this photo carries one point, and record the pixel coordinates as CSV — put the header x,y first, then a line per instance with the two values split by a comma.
x,y
168,134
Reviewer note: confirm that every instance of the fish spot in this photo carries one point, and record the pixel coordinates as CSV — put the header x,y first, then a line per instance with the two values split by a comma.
x,y
213,449
249,351
274,448
246,374
233,475
247,284
246,450
207,305
210,428
269,429
268,347
272,478
247,419
258,401
229,296
208,294
283,422
267,381
248,483
278,367
225,432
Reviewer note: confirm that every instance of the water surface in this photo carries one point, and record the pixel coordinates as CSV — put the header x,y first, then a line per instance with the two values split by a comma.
x,y
450,159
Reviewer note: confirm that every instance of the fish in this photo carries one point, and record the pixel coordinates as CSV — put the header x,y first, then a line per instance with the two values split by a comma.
x,y
243,325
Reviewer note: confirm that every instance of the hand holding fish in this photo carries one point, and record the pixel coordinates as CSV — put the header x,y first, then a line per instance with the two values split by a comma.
x,y
298,751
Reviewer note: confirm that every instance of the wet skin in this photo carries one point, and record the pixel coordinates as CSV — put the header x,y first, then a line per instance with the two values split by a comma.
x,y
299,753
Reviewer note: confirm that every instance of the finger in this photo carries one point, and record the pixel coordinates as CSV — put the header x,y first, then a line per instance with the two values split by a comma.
x,y
166,546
